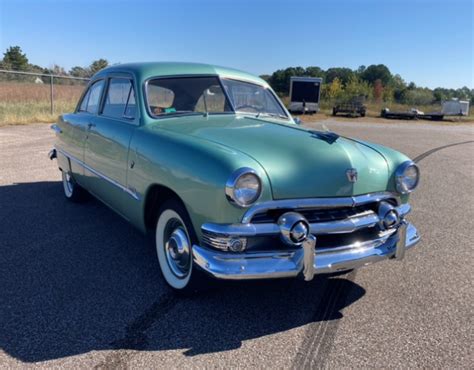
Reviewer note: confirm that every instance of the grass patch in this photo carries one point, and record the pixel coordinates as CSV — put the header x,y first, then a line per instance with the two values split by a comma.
x,y
22,103
29,112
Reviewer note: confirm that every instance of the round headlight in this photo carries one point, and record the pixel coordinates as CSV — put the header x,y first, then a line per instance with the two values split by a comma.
x,y
243,187
407,177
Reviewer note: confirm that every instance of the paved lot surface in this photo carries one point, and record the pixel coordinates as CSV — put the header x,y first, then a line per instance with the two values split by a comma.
x,y
80,287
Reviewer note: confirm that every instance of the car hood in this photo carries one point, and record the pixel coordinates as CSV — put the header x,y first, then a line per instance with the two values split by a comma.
x,y
298,163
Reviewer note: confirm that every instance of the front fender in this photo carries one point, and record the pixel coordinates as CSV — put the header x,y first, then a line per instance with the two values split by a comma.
x,y
194,168
394,159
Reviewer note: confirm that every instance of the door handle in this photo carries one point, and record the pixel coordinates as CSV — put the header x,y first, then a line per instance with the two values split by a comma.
x,y
90,125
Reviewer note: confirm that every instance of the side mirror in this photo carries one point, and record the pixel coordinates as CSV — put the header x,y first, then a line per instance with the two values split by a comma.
x,y
297,120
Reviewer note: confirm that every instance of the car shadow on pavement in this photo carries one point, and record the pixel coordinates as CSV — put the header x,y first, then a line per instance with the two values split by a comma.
x,y
76,278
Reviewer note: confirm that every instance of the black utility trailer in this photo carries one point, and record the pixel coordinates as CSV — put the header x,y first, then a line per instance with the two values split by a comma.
x,y
353,107
412,114
387,113
304,94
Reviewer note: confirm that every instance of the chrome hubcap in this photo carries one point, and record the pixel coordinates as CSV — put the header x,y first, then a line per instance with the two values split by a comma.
x,y
177,249
68,184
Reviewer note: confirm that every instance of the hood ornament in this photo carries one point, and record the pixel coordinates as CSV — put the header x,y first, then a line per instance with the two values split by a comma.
x,y
327,136
351,174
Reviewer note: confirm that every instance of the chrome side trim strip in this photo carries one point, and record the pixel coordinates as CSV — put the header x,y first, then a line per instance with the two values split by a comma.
x,y
317,203
133,194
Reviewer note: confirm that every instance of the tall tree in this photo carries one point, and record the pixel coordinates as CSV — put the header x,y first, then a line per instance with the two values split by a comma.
x,y
315,72
78,71
342,74
97,65
360,70
15,59
377,72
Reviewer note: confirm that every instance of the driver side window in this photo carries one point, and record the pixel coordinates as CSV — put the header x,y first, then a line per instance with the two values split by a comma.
x,y
90,102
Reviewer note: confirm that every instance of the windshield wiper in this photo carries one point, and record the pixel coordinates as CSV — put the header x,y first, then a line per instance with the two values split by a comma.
x,y
273,115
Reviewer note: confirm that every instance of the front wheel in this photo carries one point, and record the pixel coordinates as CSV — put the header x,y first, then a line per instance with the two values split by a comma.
x,y
72,191
174,237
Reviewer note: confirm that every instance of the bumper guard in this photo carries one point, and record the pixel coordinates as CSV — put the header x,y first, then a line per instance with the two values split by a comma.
x,y
305,261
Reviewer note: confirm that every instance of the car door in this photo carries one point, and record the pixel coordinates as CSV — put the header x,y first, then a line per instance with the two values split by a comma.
x,y
72,129
106,152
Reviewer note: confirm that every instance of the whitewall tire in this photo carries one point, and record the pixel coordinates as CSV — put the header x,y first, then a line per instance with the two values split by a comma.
x,y
174,239
72,191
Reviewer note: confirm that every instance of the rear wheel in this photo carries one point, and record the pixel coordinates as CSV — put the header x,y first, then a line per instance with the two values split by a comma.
x,y
72,191
174,238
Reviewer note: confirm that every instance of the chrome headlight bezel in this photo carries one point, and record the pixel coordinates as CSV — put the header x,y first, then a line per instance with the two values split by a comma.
x,y
400,177
231,187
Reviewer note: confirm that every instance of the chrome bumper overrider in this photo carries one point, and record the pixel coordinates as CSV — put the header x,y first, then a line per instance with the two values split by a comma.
x,y
306,260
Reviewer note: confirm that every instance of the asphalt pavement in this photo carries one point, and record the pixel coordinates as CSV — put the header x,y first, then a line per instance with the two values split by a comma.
x,y
80,287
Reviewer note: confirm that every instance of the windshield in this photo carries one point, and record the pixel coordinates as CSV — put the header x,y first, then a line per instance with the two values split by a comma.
x,y
205,95
186,95
251,98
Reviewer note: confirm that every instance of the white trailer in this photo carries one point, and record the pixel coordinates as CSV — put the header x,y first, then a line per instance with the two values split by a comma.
x,y
305,93
455,107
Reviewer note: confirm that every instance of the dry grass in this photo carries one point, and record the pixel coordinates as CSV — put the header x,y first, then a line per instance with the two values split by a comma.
x,y
22,102
29,102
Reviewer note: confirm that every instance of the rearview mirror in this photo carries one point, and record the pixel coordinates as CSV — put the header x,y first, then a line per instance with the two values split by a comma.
x,y
297,120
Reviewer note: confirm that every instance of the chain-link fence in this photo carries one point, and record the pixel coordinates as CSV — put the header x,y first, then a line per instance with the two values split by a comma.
x,y
36,97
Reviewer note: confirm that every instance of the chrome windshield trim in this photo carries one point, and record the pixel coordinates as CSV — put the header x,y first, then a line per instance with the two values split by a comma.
x,y
317,203
133,194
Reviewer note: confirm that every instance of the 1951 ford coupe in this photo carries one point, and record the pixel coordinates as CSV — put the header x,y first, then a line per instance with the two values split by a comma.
x,y
210,162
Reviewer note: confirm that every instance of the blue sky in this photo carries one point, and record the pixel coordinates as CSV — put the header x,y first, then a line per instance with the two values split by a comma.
x,y
428,42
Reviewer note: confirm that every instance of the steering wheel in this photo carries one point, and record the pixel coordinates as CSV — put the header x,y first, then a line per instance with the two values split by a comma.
x,y
248,106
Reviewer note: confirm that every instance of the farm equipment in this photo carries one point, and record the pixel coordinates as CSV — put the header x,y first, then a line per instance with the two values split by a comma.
x,y
353,107
305,94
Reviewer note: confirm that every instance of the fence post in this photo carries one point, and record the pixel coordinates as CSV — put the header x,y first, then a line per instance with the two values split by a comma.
x,y
52,95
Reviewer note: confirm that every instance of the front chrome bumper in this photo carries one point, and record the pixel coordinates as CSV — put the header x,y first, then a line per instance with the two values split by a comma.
x,y
305,261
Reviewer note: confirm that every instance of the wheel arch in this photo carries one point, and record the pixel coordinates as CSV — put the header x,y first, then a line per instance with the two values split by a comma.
x,y
156,195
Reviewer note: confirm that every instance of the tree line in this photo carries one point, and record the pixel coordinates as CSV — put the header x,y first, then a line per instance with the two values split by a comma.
x,y
15,60
375,82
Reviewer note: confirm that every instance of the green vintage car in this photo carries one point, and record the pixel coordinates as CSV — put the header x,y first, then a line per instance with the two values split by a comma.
x,y
209,161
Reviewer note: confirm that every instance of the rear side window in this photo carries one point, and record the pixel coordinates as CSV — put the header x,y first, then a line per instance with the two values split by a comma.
x,y
120,99
90,102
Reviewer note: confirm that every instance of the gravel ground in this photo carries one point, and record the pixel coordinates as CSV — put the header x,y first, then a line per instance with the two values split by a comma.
x,y
80,287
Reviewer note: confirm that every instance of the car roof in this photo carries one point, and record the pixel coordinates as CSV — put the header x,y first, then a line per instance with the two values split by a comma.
x,y
144,71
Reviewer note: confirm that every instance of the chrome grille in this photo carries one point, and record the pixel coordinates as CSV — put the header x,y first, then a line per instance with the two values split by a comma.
x,y
215,240
317,215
